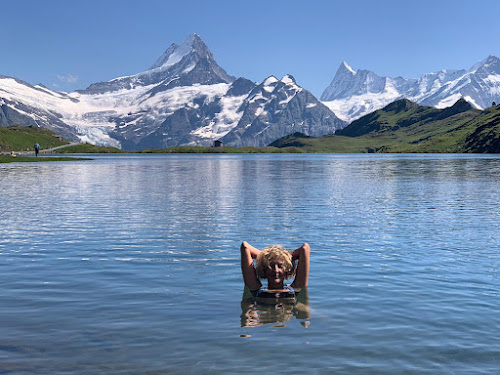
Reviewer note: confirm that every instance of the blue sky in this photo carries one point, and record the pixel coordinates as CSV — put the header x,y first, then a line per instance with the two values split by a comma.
x,y
67,45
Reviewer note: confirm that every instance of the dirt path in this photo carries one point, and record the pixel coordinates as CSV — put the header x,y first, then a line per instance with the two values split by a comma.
x,y
44,150
49,150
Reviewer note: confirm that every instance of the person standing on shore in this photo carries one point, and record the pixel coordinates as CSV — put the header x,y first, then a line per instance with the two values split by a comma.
x,y
37,149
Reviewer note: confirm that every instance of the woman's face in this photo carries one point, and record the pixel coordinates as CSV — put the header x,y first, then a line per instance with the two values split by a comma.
x,y
275,273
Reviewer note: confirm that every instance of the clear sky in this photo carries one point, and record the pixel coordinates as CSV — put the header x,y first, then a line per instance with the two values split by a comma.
x,y
67,45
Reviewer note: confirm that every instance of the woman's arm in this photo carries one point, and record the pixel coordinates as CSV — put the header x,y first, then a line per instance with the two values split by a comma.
x,y
302,255
248,254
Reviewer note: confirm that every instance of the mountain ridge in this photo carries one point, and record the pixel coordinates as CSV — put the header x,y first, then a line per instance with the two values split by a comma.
x,y
352,94
406,127
185,98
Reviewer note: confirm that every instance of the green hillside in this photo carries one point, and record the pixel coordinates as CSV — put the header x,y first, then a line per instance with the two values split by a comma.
x,y
485,136
23,138
404,126
402,114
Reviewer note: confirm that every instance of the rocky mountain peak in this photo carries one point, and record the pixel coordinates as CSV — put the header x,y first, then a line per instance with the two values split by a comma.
x,y
342,83
345,68
288,79
175,53
180,65
491,65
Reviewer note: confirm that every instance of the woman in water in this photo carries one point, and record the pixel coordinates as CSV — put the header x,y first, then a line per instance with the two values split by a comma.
x,y
278,302
275,264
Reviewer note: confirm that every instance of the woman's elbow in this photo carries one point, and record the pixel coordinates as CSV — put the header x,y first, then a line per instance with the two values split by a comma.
x,y
243,246
306,248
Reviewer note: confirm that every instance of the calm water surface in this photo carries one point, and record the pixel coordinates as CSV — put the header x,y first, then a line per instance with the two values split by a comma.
x,y
129,264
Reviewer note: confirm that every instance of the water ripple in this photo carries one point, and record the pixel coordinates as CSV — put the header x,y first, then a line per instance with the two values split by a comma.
x,y
130,263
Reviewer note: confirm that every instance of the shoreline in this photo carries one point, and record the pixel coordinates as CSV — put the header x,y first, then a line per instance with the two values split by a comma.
x,y
4,159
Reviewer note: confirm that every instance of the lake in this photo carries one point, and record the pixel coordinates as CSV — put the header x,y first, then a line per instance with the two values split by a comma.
x,y
129,264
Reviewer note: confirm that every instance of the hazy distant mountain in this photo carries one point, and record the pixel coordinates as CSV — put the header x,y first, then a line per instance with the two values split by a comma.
x,y
352,94
184,98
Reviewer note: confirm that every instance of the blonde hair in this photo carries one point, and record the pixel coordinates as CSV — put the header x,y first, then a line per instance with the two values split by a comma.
x,y
271,254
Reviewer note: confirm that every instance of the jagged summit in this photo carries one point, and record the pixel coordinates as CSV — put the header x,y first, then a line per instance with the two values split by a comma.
x,y
490,65
341,81
348,82
180,65
344,66
175,53
288,79
270,80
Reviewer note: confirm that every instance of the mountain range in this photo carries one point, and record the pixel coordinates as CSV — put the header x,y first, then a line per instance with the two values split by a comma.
x,y
186,98
407,127
353,94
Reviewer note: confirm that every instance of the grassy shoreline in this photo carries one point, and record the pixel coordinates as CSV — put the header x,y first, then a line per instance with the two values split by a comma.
x,y
31,159
222,150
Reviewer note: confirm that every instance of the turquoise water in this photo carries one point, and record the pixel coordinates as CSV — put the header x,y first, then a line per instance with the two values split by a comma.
x,y
129,264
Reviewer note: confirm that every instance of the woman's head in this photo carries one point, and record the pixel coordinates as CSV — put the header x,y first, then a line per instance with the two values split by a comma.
x,y
275,263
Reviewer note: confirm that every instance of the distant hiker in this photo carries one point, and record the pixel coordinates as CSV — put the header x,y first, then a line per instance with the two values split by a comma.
x,y
37,149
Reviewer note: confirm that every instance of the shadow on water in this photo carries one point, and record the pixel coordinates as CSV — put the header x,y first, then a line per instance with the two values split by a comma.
x,y
256,313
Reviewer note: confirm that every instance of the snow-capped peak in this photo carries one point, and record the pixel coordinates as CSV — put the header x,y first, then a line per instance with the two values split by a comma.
x,y
490,63
175,53
288,79
346,66
181,65
344,83
270,81
491,60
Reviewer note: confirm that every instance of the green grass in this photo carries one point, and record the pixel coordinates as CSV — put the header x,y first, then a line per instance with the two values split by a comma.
x,y
29,159
88,149
224,150
22,138
485,134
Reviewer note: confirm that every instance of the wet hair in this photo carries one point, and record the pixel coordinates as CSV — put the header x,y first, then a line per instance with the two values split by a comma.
x,y
273,253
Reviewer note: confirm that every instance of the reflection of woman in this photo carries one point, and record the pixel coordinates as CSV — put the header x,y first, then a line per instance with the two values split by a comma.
x,y
278,302
254,313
